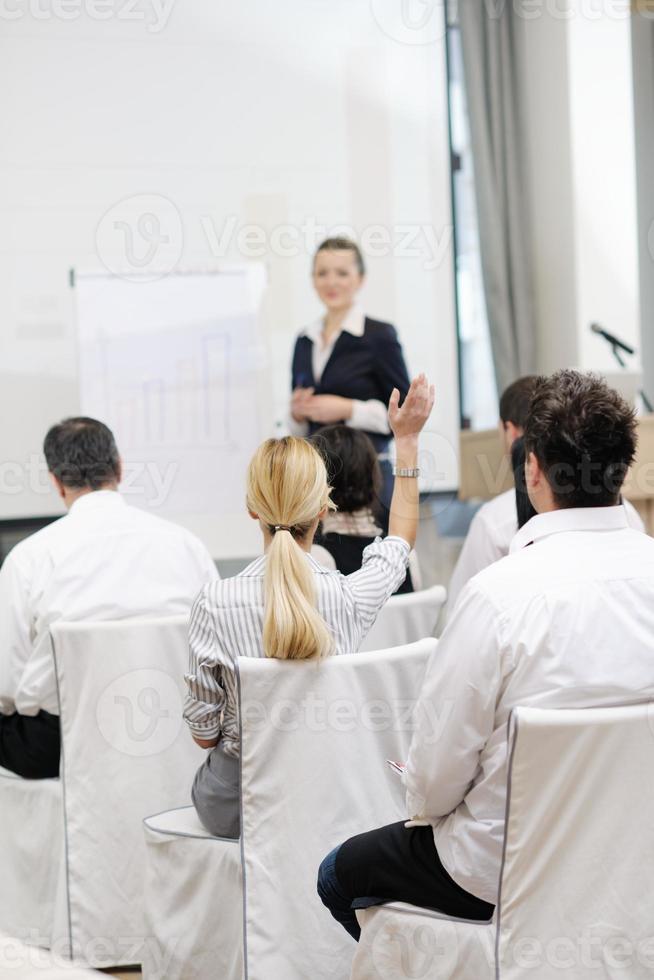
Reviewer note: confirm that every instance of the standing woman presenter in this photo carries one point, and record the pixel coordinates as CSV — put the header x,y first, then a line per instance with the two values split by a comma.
x,y
345,364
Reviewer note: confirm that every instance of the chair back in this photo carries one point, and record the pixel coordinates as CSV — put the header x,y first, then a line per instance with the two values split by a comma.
x,y
576,890
406,618
126,753
314,740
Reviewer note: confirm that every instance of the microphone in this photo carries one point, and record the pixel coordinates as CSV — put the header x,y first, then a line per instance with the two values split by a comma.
x,y
613,341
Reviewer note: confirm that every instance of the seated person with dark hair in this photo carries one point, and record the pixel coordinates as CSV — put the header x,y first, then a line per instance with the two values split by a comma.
x,y
565,620
496,522
524,506
102,560
355,478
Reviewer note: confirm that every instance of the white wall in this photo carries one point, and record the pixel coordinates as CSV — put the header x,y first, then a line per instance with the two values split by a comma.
x,y
581,148
214,115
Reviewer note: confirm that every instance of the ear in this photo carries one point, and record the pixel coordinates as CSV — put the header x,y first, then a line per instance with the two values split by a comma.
x,y
513,432
119,474
323,513
59,487
533,472
255,517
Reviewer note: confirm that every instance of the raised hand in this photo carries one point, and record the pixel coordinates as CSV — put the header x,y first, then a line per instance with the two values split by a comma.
x,y
410,419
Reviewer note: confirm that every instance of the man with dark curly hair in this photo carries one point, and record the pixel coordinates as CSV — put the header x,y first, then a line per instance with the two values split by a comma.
x,y
565,620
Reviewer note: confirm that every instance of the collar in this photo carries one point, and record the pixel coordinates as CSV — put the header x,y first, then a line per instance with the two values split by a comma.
x,y
354,324
96,498
572,519
257,568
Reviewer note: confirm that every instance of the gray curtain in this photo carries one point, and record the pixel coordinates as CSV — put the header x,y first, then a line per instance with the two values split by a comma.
x,y
492,77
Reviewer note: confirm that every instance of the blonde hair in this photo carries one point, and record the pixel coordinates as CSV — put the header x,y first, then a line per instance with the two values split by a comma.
x,y
287,488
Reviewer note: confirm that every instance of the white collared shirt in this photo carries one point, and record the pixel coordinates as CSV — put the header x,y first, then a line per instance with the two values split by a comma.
x,y
566,620
370,415
103,560
489,538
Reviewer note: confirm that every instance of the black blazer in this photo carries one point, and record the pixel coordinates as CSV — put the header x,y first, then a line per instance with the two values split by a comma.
x,y
359,367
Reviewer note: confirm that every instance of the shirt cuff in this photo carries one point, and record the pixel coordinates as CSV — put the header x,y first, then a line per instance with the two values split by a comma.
x,y
209,729
370,415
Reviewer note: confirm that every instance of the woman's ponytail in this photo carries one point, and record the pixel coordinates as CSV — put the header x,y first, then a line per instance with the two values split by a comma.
x,y
287,488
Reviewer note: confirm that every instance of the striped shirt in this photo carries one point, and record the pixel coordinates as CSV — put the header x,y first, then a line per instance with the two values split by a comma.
x,y
227,622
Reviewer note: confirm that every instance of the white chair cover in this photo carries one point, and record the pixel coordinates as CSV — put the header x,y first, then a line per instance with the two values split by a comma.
x,y
31,855
406,619
402,942
576,895
314,740
575,898
126,753
20,962
193,901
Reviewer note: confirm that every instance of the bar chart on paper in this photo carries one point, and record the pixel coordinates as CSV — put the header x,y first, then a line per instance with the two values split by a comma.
x,y
177,369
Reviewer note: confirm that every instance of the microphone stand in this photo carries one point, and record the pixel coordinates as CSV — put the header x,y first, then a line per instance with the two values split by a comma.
x,y
616,351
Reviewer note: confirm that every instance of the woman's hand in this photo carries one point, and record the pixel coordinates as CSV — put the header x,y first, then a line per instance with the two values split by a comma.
x,y
328,409
299,403
411,418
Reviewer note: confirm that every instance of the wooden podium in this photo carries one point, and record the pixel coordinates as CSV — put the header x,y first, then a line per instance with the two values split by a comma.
x,y
485,471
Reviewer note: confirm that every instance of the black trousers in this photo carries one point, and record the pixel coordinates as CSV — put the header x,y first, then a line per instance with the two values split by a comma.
x,y
30,745
392,864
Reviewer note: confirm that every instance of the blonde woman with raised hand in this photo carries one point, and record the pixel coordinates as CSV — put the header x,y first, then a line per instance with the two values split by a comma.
x,y
284,604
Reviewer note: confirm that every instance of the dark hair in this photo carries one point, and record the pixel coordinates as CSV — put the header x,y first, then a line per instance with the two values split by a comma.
x,y
524,506
81,452
343,245
583,435
352,466
515,400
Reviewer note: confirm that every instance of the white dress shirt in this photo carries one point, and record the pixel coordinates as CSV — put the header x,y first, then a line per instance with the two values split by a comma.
x,y
370,415
103,560
489,538
227,623
566,620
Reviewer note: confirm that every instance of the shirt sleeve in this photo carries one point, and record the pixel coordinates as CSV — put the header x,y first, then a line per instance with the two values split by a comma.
x,y
479,551
15,630
391,369
371,415
455,714
383,569
205,699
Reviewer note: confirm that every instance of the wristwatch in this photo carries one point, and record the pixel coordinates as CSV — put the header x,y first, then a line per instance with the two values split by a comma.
x,y
405,471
